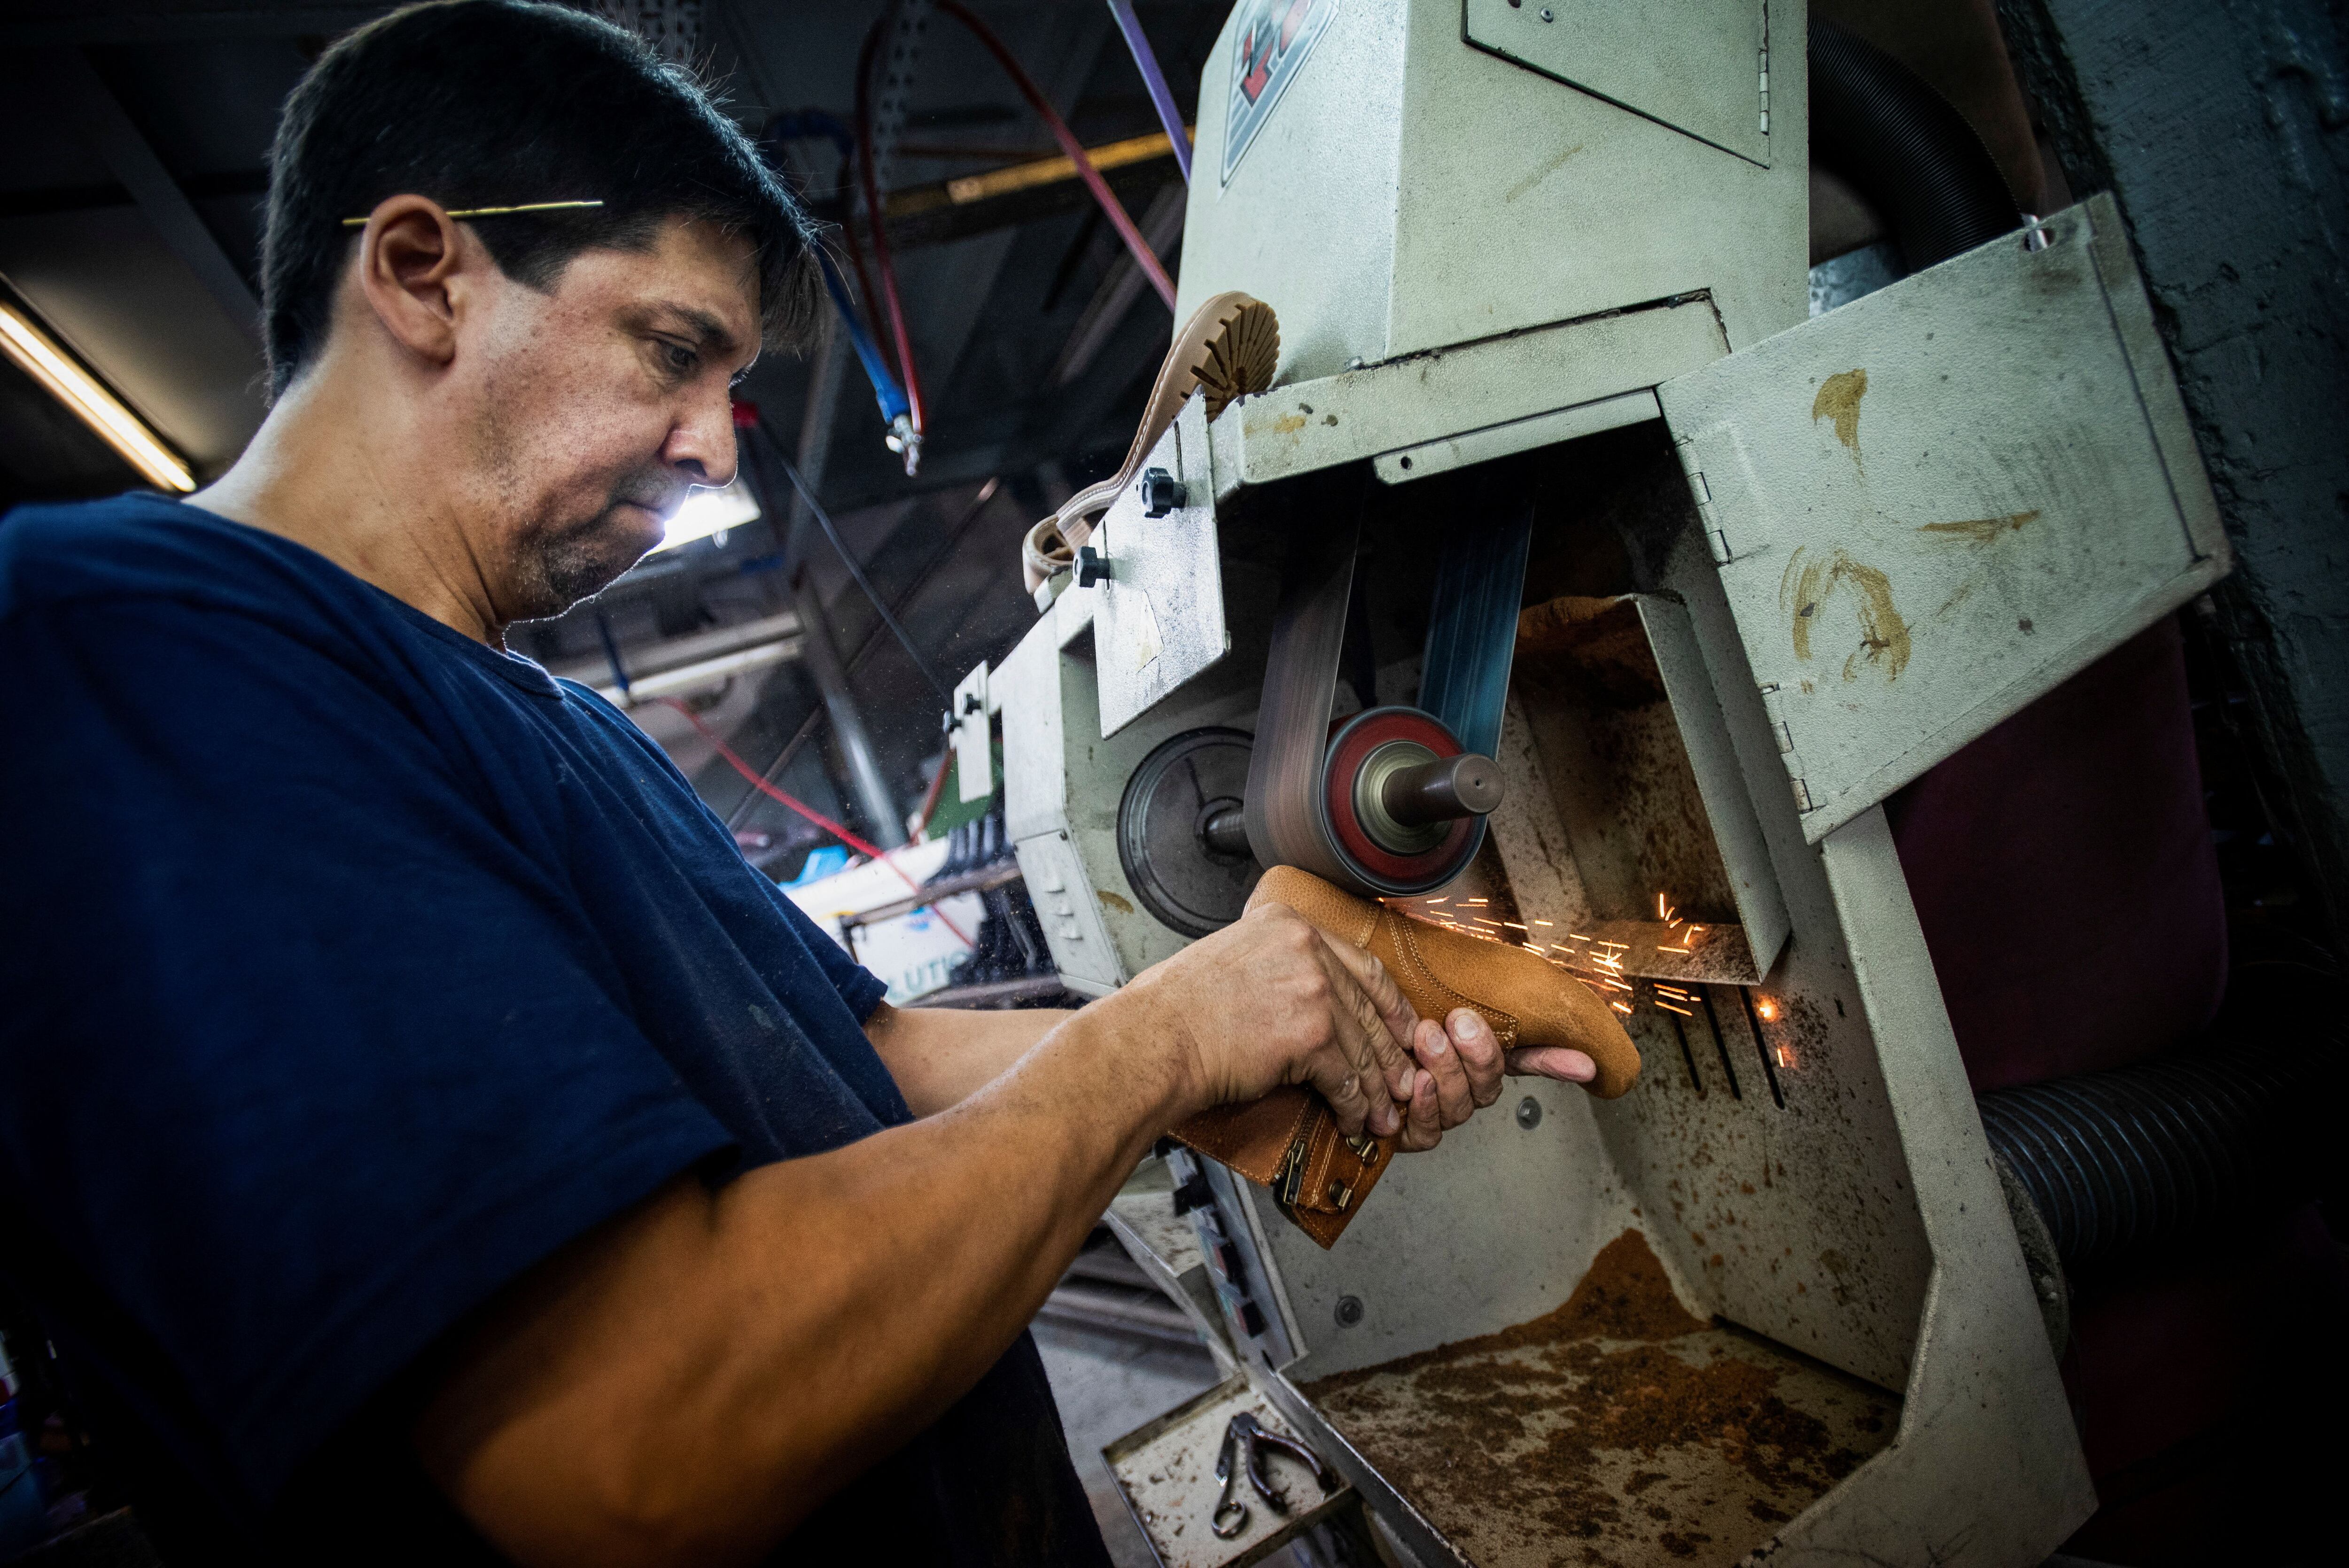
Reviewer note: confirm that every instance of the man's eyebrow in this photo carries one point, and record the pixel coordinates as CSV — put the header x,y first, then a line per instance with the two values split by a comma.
x,y
711,335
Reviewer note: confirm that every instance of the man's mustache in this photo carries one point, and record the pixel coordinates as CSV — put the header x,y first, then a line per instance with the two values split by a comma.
x,y
659,494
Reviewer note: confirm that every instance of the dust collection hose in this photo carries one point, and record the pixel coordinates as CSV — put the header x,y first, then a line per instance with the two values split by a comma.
x,y
2113,1160
2116,1160
1912,157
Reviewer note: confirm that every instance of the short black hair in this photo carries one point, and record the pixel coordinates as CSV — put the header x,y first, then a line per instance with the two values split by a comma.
x,y
496,103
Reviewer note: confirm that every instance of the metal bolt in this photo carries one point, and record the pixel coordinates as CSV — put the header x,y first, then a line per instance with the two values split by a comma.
x,y
1547,15
1529,1113
1160,493
1350,1311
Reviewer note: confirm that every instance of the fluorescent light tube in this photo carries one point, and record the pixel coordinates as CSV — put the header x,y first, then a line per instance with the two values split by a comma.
x,y
33,353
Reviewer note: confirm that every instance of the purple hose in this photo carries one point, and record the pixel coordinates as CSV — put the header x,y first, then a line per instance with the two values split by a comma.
x,y
1155,81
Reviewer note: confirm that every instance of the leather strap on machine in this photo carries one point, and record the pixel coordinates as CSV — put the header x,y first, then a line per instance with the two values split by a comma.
x,y
1227,349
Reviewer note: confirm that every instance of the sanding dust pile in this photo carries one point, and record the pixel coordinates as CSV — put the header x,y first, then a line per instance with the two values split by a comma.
x,y
1619,1428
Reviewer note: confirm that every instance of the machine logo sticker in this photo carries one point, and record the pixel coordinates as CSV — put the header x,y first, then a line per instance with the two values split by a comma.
x,y
1272,46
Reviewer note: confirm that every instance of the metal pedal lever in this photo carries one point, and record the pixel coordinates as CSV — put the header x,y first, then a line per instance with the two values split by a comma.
x,y
1245,1441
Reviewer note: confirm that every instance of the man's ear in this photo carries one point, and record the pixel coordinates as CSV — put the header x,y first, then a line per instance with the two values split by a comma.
x,y
413,259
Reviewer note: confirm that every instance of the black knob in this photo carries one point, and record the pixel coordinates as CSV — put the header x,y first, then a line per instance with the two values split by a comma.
x,y
1160,493
1091,567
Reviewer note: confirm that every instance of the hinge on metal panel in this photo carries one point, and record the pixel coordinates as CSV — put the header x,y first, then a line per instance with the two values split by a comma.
x,y
1774,709
1714,540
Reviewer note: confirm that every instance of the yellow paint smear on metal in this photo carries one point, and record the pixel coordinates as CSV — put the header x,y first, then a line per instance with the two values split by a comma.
x,y
1982,530
1884,636
1538,175
1838,400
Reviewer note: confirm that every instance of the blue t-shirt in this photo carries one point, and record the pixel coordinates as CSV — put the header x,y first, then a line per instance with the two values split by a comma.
x,y
351,967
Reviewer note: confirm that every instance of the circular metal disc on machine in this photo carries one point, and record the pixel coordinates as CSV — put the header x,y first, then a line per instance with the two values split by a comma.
x,y
1390,858
1161,830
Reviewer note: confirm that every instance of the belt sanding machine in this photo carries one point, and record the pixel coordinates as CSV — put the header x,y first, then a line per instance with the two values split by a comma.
x,y
1555,470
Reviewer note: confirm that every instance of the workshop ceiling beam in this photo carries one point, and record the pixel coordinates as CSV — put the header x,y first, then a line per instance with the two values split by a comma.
x,y
84,101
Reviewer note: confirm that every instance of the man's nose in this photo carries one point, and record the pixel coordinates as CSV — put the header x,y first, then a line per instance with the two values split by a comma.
x,y
702,447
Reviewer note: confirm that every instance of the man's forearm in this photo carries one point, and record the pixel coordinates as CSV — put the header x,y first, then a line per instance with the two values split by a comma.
x,y
686,1383
717,1363
940,1056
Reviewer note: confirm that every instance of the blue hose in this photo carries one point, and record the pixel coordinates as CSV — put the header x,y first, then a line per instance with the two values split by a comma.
x,y
886,390
896,412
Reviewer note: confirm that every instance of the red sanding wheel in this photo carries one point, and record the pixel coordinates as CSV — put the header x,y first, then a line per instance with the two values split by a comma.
x,y
1352,745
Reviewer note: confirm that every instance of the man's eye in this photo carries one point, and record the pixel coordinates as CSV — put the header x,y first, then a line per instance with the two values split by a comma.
x,y
680,359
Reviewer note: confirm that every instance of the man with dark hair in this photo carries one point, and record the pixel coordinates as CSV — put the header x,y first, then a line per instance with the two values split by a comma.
x,y
475,103
423,1137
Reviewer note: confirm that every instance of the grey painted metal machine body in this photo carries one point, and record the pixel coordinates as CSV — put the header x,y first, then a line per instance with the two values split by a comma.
x,y
1902,521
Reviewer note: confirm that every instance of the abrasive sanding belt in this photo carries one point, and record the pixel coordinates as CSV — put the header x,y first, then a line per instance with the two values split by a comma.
x,y
1307,778
1464,684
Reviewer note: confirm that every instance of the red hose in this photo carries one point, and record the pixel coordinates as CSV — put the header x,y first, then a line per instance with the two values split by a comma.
x,y
930,796
873,852
1143,256
868,183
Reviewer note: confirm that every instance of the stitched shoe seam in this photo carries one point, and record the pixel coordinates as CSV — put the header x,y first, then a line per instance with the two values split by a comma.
x,y
1504,1024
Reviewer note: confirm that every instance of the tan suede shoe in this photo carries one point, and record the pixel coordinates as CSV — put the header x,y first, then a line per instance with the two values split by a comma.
x,y
1288,1140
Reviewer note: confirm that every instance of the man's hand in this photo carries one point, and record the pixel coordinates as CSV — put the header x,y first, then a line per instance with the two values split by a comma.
x,y
1462,1064
683,1383
1272,1000
1269,1000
